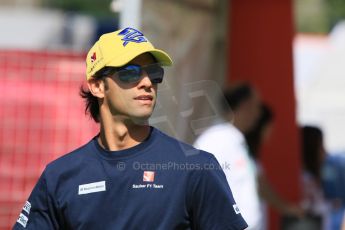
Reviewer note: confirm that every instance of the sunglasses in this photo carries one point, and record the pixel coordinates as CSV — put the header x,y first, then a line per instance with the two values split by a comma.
x,y
133,73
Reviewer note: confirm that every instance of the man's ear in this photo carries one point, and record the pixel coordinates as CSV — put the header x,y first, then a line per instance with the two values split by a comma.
x,y
96,87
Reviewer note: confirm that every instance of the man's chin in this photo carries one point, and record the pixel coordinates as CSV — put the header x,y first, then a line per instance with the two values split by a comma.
x,y
141,120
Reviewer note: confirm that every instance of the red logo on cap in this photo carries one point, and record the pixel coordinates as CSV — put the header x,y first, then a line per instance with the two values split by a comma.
x,y
149,176
93,57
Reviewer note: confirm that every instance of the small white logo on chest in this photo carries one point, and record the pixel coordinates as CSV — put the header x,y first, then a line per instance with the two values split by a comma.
x,y
149,176
91,188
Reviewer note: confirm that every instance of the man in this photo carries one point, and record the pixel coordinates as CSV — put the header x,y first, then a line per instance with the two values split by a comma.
x,y
131,175
226,141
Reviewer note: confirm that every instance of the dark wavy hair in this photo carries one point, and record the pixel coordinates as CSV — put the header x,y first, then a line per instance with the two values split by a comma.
x,y
91,102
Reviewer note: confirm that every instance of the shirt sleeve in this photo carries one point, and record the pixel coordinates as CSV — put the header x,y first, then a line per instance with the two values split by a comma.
x,y
212,203
40,210
240,173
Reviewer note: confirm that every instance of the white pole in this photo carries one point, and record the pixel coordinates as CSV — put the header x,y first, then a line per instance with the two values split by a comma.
x,y
130,12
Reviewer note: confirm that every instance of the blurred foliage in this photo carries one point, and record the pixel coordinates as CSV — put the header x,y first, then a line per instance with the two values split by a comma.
x,y
336,11
318,16
95,8
311,16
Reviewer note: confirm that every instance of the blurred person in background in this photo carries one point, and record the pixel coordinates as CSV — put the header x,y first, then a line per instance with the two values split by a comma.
x,y
333,180
226,141
117,180
313,156
255,138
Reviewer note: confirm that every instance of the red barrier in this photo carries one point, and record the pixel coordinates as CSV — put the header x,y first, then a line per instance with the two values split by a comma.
x,y
42,117
260,52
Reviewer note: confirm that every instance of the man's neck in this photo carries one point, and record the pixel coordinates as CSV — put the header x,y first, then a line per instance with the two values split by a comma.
x,y
118,134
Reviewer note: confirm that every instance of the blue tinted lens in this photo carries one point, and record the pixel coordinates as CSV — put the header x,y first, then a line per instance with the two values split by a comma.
x,y
155,73
129,74
132,73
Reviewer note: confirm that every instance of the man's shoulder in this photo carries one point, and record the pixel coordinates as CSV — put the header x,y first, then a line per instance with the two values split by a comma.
x,y
70,160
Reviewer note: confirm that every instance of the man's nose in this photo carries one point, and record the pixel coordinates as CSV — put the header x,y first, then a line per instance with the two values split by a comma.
x,y
145,81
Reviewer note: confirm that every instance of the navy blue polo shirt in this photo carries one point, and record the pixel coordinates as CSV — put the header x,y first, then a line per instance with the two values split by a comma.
x,y
160,183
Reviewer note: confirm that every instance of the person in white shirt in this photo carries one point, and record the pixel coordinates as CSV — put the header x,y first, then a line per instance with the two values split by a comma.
x,y
226,141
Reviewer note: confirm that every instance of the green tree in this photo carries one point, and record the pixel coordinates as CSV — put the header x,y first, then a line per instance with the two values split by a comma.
x,y
318,16
335,11
96,8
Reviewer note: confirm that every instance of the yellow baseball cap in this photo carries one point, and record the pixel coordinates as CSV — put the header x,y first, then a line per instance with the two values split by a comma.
x,y
117,48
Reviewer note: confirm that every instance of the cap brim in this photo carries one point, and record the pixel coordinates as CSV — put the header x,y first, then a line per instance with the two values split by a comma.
x,y
161,56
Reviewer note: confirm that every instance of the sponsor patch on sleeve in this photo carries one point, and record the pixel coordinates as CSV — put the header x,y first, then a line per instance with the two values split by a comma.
x,y
22,220
237,210
27,207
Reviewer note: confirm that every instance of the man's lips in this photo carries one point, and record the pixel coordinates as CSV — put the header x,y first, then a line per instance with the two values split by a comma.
x,y
144,97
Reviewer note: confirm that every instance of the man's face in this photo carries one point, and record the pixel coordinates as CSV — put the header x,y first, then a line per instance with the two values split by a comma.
x,y
134,101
